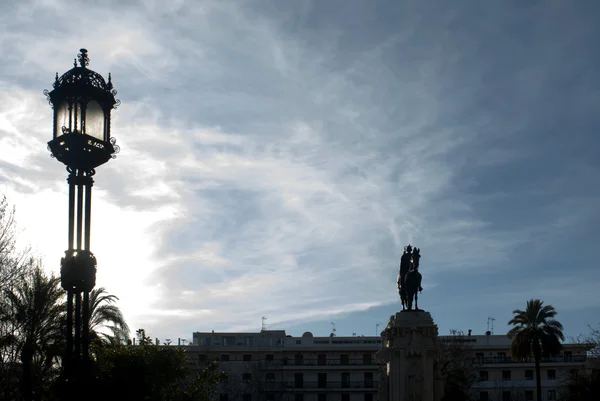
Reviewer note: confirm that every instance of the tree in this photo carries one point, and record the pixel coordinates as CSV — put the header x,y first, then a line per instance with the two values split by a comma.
x,y
456,365
14,263
36,312
536,333
584,384
151,372
104,314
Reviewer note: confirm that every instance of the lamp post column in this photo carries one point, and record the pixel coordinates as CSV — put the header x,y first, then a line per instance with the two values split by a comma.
x,y
82,101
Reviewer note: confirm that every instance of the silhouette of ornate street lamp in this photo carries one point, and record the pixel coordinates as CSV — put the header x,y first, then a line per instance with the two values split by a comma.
x,y
82,101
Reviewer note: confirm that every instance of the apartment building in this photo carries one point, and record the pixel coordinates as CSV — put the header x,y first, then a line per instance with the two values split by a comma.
x,y
500,378
273,366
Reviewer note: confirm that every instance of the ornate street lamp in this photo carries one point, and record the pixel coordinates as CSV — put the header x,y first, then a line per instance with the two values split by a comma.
x,y
82,101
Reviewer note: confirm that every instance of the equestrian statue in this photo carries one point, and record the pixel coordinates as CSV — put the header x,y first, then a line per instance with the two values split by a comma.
x,y
409,278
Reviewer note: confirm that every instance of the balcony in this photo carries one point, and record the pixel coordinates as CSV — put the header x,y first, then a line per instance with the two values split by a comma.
x,y
507,360
329,385
328,362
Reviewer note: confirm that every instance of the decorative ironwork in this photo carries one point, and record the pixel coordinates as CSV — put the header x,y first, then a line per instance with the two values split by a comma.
x,y
47,94
78,270
83,76
84,60
116,148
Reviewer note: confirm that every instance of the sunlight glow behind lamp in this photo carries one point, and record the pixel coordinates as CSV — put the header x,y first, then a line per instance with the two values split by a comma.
x,y
82,101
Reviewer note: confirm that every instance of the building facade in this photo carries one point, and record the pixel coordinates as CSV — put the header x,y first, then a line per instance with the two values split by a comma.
x,y
273,366
500,378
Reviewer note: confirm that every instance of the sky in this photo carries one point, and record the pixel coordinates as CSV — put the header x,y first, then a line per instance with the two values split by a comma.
x,y
276,157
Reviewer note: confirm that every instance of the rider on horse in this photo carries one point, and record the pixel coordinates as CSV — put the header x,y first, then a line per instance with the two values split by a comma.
x,y
409,265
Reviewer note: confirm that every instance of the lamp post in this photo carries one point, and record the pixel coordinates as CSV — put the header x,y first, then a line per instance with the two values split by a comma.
x,y
82,101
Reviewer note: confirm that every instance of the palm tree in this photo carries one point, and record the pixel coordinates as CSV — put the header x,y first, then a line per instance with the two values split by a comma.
x,y
536,333
36,314
104,314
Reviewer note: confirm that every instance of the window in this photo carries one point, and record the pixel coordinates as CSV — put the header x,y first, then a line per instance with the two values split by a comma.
x,y
247,397
479,357
345,380
322,380
270,377
322,359
246,377
345,397
502,354
368,379
225,357
483,375
568,356
298,341
367,359
298,380
484,396
299,359
269,357
344,359
529,395
322,397
202,358
551,374
506,396
506,375
551,395
299,397
247,357
223,397
368,396
529,375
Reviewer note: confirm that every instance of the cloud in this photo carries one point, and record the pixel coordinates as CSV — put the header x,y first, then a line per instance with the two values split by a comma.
x,y
277,160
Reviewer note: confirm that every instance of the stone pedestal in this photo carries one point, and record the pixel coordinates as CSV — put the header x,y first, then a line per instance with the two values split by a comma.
x,y
409,352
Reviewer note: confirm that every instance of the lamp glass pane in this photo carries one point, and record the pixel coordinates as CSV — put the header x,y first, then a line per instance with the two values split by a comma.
x,y
94,120
77,129
62,118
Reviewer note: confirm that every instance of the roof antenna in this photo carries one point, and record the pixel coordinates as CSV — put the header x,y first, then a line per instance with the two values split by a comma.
x,y
490,319
264,324
332,330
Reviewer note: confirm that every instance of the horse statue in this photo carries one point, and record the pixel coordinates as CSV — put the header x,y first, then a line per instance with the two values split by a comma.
x,y
409,278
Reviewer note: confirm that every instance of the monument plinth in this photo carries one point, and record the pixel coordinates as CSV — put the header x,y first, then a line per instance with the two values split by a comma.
x,y
408,349
409,352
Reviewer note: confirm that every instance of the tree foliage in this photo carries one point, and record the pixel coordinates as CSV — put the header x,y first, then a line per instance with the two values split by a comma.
x,y
14,262
104,314
33,308
535,333
584,384
152,372
456,366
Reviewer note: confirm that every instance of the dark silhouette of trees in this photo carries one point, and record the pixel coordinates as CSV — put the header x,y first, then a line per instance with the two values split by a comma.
x,y
35,310
584,384
105,314
456,365
535,332
148,371
14,262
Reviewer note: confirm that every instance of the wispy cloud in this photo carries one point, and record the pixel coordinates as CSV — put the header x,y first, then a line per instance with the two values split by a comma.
x,y
276,160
